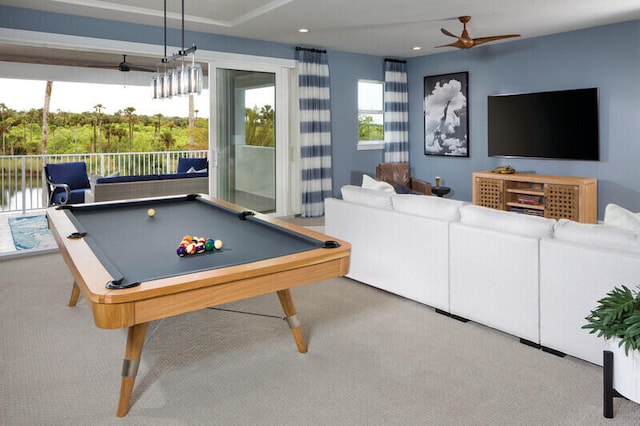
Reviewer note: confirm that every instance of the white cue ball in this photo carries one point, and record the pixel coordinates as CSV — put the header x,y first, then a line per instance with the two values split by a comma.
x,y
151,212
217,244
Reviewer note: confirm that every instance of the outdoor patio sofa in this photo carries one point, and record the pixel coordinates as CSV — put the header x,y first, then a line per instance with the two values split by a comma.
x,y
191,177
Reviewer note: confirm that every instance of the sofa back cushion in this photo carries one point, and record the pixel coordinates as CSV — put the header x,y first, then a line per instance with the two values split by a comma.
x,y
598,236
198,164
615,215
428,206
500,220
367,197
120,179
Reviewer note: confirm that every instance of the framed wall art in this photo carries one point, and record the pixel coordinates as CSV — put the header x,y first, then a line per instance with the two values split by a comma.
x,y
446,115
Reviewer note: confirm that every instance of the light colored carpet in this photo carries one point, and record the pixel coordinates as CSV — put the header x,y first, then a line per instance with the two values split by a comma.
x,y
374,359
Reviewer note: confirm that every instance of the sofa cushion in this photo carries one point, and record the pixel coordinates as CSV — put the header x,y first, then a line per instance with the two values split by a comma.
x,y
598,236
134,178
500,220
370,183
427,206
184,164
183,175
367,197
614,215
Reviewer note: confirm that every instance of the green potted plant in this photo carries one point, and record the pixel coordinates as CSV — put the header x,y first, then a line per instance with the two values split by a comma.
x,y
617,319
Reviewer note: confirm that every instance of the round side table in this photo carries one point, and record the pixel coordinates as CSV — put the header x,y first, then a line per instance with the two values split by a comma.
x,y
440,190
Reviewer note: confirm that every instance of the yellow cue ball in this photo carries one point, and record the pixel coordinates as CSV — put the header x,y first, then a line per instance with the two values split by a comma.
x,y
151,212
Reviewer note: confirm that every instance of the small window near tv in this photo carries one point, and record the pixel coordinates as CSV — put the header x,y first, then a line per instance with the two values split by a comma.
x,y
370,114
550,125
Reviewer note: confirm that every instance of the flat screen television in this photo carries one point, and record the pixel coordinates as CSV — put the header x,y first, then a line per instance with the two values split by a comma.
x,y
557,125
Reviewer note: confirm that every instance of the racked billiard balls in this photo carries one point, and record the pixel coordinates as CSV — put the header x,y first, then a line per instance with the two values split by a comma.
x,y
191,248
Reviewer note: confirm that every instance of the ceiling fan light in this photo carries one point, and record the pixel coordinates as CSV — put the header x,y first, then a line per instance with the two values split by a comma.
x,y
156,92
195,79
182,83
179,81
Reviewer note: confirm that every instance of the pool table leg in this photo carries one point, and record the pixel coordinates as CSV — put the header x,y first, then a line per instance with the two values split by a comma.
x,y
286,300
75,292
132,353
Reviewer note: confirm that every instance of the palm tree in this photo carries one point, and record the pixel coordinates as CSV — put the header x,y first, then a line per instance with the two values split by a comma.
x,y
4,125
45,115
131,119
119,133
192,121
32,116
157,125
98,108
167,138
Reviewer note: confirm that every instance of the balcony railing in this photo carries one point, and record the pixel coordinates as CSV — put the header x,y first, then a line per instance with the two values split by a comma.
x,y
22,176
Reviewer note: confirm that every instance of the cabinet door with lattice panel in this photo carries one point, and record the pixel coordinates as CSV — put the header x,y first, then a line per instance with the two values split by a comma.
x,y
489,193
561,201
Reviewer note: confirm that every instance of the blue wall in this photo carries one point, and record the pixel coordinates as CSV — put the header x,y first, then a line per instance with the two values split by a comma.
x,y
606,57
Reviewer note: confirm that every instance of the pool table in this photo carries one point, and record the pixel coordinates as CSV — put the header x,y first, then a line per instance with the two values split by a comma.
x,y
125,264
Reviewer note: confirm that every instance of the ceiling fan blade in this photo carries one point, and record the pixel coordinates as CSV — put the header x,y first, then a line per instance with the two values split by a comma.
x,y
481,40
134,68
445,32
459,44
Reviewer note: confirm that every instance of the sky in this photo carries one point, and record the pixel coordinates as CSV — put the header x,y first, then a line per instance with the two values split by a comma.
x,y
23,95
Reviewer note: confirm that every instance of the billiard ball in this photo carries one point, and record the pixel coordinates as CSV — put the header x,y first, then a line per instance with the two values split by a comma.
x,y
209,245
200,248
151,212
217,244
187,238
181,251
191,248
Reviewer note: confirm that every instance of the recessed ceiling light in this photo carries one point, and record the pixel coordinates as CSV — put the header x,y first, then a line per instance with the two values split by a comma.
x,y
303,30
417,48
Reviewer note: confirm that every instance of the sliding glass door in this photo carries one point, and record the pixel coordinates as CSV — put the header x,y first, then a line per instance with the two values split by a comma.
x,y
246,138
254,161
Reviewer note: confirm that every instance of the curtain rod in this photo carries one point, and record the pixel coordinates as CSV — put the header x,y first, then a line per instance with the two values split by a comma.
x,y
308,49
401,61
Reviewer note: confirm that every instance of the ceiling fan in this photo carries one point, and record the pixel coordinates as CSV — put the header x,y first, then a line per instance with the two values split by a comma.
x,y
466,42
125,66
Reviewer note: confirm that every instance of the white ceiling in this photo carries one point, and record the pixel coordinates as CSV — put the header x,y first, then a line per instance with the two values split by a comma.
x,y
389,28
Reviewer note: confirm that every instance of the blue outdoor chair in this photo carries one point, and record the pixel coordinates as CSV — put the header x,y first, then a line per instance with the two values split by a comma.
x,y
66,182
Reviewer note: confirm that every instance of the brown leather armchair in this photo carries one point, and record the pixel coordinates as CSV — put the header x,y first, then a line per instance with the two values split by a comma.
x,y
400,174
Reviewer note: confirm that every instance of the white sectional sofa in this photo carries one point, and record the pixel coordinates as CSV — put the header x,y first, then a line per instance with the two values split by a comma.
x,y
531,277
494,269
403,252
578,267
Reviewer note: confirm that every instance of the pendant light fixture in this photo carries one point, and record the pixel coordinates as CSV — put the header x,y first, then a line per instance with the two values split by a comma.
x,y
173,76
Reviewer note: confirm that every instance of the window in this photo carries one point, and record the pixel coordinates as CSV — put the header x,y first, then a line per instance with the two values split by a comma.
x,y
370,114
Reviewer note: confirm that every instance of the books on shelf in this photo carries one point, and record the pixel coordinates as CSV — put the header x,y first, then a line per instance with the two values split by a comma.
x,y
525,210
528,199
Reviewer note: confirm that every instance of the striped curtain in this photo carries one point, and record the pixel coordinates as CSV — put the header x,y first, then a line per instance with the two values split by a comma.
x,y
315,130
396,112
